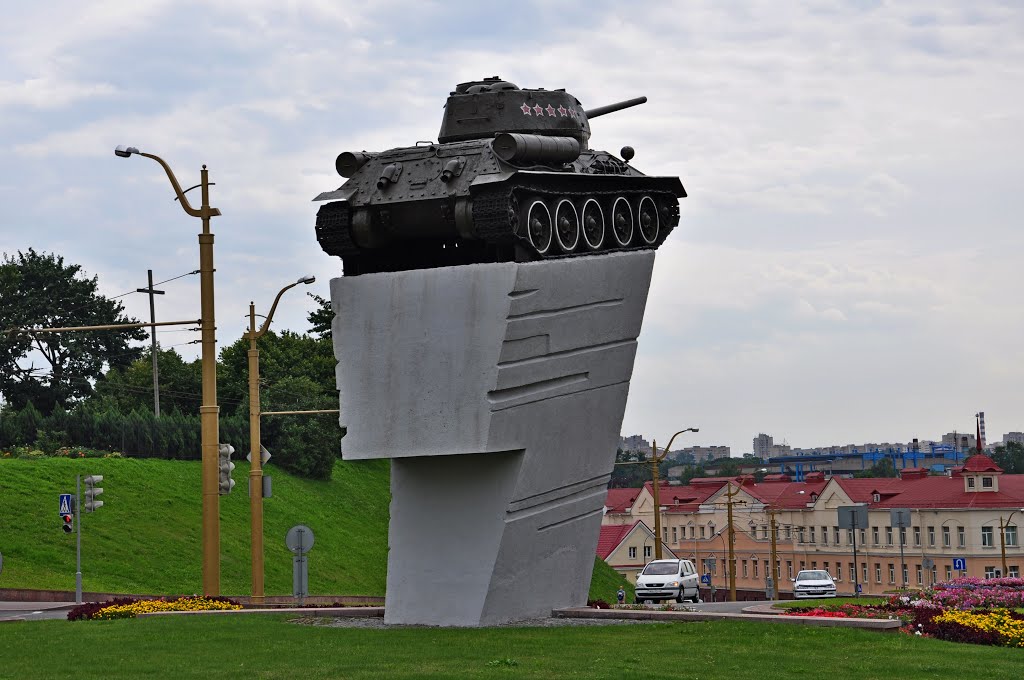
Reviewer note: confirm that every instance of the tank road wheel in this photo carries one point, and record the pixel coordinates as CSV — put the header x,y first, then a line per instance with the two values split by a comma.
x,y
567,225
538,227
593,224
622,221
647,217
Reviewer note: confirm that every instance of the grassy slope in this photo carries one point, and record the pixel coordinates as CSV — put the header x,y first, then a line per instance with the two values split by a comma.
x,y
146,538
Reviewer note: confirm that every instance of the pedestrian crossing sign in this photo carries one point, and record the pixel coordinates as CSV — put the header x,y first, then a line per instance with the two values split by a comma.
x,y
65,504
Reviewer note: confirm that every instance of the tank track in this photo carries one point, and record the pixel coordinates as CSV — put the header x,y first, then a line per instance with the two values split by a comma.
x,y
496,214
332,229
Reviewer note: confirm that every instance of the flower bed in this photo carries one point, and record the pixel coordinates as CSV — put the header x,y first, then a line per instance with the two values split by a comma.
x,y
129,607
977,611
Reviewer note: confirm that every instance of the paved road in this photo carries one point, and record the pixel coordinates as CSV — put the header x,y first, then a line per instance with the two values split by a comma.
x,y
34,611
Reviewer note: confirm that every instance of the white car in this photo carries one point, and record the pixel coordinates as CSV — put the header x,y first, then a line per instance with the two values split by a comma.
x,y
668,580
813,583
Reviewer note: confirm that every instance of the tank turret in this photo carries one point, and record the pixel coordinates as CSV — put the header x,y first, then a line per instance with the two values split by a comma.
x,y
511,178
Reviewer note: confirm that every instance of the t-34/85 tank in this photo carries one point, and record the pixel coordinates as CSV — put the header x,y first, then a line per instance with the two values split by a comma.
x,y
511,178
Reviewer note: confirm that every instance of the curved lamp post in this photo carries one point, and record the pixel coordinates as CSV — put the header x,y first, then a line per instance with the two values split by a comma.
x,y
255,450
208,411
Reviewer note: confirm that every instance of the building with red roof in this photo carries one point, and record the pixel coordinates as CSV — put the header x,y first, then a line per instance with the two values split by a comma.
x,y
968,518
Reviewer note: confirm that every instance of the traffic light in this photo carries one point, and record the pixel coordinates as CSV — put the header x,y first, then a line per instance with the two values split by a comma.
x,y
225,466
91,491
67,523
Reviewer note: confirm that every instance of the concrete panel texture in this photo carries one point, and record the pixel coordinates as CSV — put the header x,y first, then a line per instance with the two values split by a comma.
x,y
498,390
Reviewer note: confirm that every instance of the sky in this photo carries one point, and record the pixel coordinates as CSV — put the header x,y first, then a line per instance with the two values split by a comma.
x,y
845,267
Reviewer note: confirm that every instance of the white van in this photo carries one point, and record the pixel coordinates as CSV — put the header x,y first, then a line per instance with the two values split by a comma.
x,y
668,580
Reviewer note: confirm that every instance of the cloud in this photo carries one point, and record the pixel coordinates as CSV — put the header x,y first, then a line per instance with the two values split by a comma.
x,y
852,167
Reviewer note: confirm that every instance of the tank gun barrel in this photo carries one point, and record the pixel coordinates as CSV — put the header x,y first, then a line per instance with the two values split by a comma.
x,y
612,108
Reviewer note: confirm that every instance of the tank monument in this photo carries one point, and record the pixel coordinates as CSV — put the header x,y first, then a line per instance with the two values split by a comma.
x,y
486,323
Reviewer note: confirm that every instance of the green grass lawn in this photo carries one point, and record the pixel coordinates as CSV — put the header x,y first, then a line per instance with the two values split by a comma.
x,y
146,538
268,646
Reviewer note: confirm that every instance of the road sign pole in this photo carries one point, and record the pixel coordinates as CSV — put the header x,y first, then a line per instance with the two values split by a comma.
x,y
78,532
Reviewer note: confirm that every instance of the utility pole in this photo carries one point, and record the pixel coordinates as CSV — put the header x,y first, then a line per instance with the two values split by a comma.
x,y
732,543
773,527
152,334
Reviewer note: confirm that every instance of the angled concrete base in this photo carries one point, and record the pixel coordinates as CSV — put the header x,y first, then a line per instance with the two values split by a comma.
x,y
498,390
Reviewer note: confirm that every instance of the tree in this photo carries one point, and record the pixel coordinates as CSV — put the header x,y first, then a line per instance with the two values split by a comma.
x,y
321,318
39,290
883,468
131,387
1010,457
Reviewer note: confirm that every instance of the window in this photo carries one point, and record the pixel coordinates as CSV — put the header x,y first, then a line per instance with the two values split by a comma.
x,y
1013,571
799,534
835,535
675,537
986,537
990,572
949,572
945,537
931,537
888,535
863,535
692,532
755,567
849,536
647,552
632,553
789,568
920,574
803,565
853,571
892,573
903,536
744,569
814,564
1010,536
970,482
906,579
789,532
935,574
778,569
961,537
664,534
825,567
839,571
702,532
824,535
864,571
986,482
874,535
917,536
764,531
878,572
812,534
876,497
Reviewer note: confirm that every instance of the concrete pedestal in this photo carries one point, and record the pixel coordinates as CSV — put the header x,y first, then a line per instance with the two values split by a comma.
x,y
498,390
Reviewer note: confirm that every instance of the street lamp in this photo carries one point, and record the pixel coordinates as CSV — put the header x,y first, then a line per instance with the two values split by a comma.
x,y
1002,535
208,411
655,460
255,452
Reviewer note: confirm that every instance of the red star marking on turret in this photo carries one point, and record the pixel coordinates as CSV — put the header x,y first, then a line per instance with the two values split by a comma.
x,y
539,110
562,111
526,108
572,112
550,110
